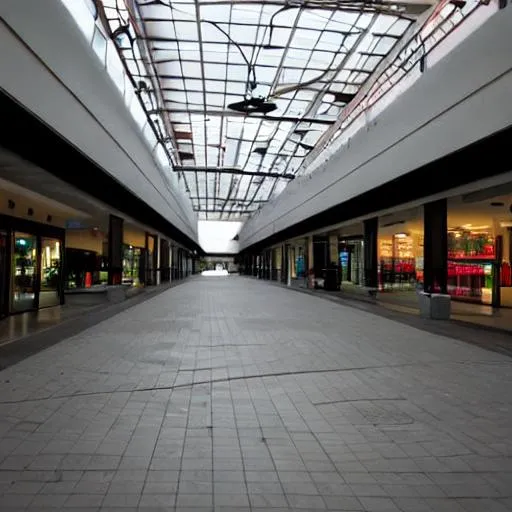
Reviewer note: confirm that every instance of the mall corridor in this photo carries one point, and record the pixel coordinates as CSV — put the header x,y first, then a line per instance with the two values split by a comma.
x,y
229,394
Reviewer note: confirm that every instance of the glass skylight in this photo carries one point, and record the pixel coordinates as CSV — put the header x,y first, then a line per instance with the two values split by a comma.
x,y
192,59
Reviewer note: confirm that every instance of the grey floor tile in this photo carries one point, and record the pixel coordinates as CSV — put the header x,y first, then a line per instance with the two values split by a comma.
x,y
260,443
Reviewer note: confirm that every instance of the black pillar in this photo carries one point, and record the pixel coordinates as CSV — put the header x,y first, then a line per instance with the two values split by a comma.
x,y
285,265
371,231
173,262
320,254
151,258
164,261
115,250
435,247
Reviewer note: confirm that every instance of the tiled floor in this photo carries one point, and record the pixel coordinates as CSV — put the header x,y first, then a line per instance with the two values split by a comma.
x,y
228,394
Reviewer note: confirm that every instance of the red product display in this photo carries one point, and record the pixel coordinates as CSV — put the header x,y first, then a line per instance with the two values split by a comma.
x,y
464,269
466,279
506,275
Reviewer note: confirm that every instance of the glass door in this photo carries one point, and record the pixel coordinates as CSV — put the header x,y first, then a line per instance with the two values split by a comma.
x,y
4,272
24,263
50,291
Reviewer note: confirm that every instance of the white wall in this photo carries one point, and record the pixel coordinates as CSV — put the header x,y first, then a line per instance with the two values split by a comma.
x,y
461,99
216,236
60,79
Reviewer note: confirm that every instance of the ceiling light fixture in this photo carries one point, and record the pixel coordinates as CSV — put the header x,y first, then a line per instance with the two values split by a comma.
x,y
253,105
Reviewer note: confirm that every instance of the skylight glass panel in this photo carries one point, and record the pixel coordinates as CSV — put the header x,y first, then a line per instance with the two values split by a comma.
x,y
195,98
191,70
215,71
215,100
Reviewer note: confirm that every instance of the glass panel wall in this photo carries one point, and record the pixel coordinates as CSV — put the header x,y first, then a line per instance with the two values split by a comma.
x,y
479,247
400,250
24,272
351,261
51,289
4,271
131,264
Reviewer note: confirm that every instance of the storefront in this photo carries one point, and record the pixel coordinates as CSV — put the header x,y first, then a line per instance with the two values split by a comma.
x,y
30,265
86,256
479,250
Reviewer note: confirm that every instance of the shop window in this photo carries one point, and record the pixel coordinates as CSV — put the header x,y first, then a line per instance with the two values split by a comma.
x,y
472,264
50,293
401,261
131,264
25,272
83,269
471,245
351,261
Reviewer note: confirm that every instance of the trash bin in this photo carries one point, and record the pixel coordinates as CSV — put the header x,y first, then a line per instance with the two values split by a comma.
x,y
436,306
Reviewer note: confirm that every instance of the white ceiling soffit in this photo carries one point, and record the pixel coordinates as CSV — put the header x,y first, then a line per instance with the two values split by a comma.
x,y
243,91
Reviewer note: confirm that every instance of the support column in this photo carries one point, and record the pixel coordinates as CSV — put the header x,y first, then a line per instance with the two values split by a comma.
x,y
171,263
283,263
158,258
164,261
115,250
435,223
288,252
320,254
371,263
310,261
333,249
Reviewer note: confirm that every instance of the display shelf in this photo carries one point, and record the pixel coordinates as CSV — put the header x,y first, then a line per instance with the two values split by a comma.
x,y
471,280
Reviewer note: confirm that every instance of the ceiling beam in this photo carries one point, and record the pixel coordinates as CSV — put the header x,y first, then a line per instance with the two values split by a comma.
x,y
234,170
232,199
234,113
220,210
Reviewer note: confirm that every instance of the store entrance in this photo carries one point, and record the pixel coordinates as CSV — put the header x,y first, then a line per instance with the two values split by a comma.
x,y
24,274
51,264
351,261
133,258
30,265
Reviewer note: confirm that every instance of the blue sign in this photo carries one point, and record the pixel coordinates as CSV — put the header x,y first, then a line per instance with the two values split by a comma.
x,y
75,224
